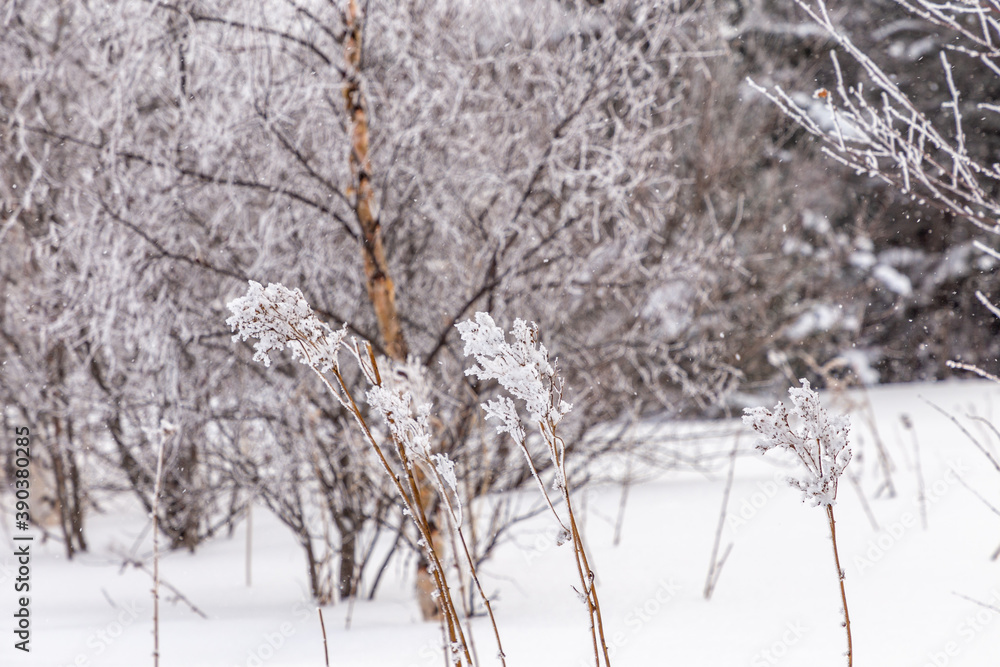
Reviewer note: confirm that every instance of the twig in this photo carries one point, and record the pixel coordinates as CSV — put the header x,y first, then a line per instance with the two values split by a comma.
x,y
921,495
178,596
985,605
322,627
156,549
715,566
853,479
249,542
987,423
883,454
982,499
626,484
964,430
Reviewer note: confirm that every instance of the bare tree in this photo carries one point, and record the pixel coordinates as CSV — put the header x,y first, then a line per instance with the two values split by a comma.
x,y
404,166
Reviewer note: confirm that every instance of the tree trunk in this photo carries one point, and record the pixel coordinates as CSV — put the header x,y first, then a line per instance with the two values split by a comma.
x,y
348,564
381,290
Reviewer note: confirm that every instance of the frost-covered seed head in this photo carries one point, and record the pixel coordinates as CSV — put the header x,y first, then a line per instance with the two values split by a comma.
x,y
279,317
818,439
521,367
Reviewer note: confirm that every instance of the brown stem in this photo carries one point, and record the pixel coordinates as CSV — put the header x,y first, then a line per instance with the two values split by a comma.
x,y
557,452
322,626
840,576
420,518
589,588
412,502
456,524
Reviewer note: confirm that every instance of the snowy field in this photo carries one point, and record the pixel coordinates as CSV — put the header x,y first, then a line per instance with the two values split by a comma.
x,y
776,602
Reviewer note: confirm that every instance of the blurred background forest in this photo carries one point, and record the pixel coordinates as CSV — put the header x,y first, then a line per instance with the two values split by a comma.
x,y
602,169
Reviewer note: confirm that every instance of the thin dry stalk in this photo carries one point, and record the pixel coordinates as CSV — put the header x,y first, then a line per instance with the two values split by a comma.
x,y
177,595
322,627
590,587
459,533
984,605
840,577
921,495
978,445
856,484
880,448
412,500
522,368
622,502
249,545
627,482
715,563
588,590
157,485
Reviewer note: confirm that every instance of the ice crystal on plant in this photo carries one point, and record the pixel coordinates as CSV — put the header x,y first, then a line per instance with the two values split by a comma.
x,y
818,439
521,367
446,469
504,411
279,317
409,426
403,404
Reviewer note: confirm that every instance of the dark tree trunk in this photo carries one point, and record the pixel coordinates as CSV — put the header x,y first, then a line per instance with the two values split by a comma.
x,y
348,564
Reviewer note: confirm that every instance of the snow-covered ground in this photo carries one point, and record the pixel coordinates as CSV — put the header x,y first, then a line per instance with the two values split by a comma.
x,y
777,600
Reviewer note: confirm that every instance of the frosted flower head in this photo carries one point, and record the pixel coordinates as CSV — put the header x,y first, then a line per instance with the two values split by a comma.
x,y
521,367
818,439
279,317
401,402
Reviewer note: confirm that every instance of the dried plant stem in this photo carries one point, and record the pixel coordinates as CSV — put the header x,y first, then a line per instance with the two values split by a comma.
x,y
985,452
557,451
249,545
589,590
840,577
322,627
473,573
450,612
156,551
921,495
411,499
715,563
